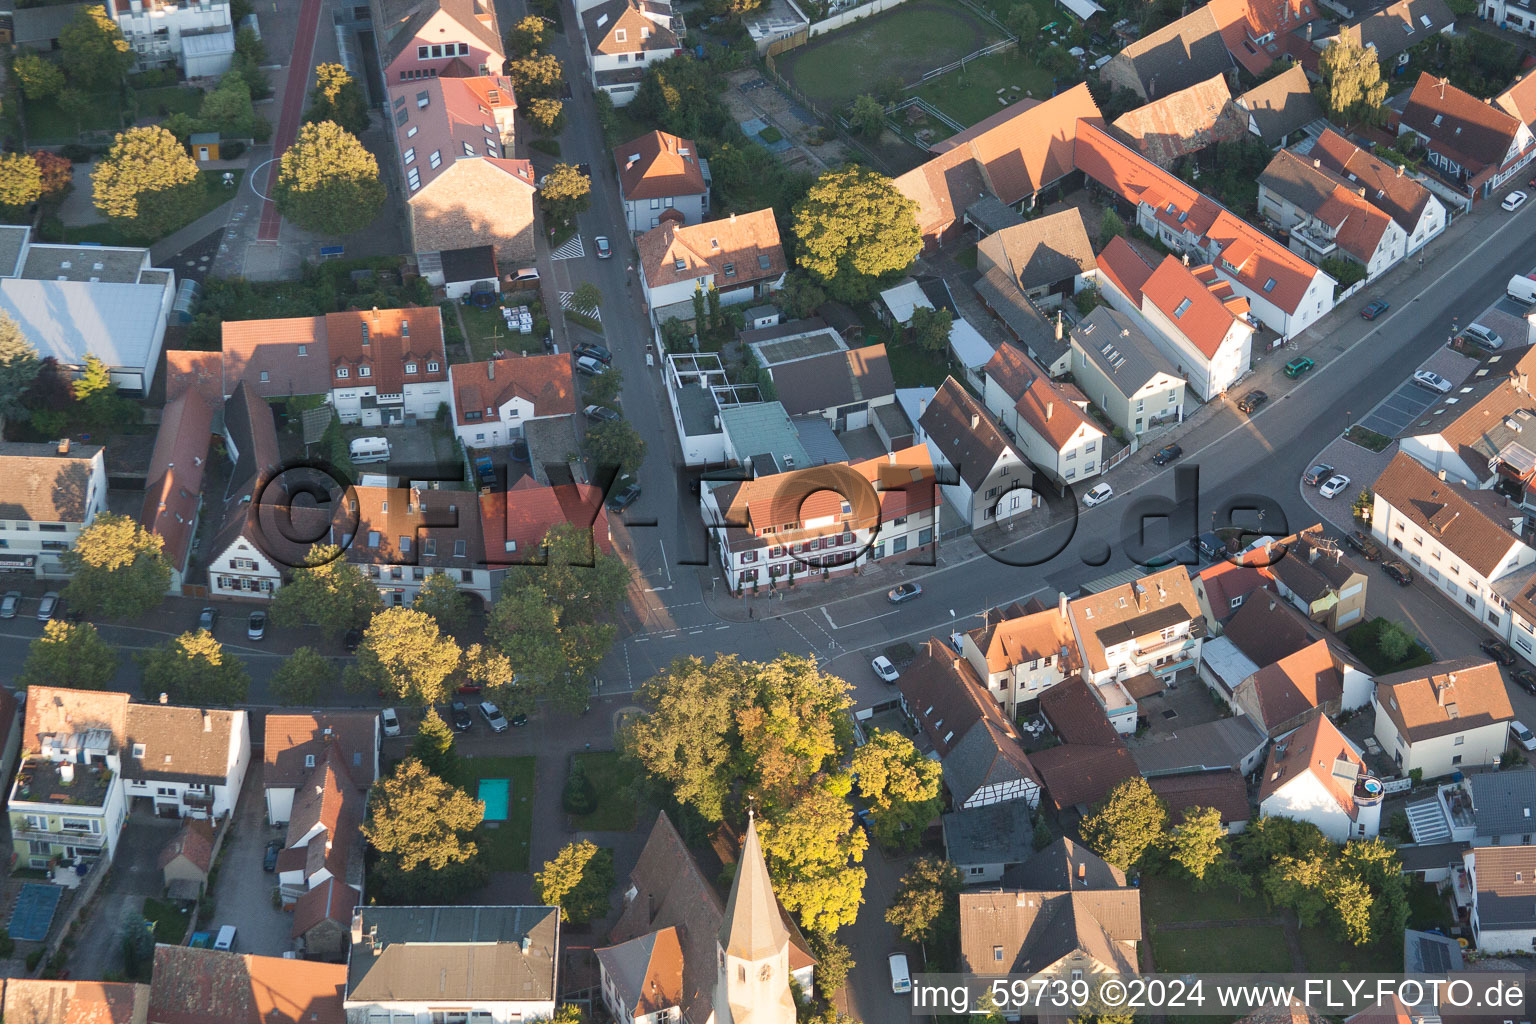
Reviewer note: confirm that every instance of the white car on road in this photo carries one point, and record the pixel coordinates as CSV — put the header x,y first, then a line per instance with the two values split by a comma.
x,y
1432,381
884,669
1333,485
1514,200
1099,495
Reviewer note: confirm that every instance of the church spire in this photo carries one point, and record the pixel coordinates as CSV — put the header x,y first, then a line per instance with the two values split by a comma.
x,y
753,928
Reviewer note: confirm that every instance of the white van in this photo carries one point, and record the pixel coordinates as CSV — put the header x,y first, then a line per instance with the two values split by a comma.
x,y
369,449
226,939
1522,288
901,978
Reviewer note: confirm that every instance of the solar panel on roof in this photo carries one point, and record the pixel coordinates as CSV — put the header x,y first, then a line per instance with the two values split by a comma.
x,y
1434,956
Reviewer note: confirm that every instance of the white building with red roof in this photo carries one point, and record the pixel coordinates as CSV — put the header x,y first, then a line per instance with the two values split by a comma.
x,y
1327,216
660,172
1191,314
464,185
1284,292
739,255
387,365
1315,774
494,400
831,518
514,524
1053,433
1471,143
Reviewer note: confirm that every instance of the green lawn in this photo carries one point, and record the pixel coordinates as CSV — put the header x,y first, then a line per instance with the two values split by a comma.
x,y
1164,898
162,101
1322,952
47,124
486,330
214,193
970,94
900,43
503,844
615,795
1250,950
1427,909
1362,641
911,367
169,918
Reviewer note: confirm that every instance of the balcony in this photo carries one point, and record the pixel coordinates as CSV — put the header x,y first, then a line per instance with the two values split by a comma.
x,y
95,841
1161,650
1319,245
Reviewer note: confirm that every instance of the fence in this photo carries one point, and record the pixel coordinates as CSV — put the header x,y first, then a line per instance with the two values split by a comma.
x,y
986,15
796,38
927,108
790,91
984,51
850,16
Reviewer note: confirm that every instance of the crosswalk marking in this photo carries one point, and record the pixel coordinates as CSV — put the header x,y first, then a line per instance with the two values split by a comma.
x,y
571,250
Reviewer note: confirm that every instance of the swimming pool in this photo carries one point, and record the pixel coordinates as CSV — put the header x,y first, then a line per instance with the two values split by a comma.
x,y
494,794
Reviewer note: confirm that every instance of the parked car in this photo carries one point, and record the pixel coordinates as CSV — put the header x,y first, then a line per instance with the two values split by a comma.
x,y
391,722
1432,381
468,689
1522,735
1499,651
1167,454
905,592
1478,334
901,977
591,366
1334,485
485,469
1317,474
1098,495
1296,367
598,352
458,716
493,716
1398,571
1209,545
256,626
46,609
226,939
624,498
604,250
1251,401
1525,679
1514,201
269,862
1375,309
208,618
1362,543
10,604
601,413
519,720
884,669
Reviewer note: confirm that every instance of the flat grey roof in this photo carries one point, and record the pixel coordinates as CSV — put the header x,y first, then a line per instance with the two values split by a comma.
x,y
990,834
799,346
1219,744
83,263
13,241
698,408
68,319
764,428
819,441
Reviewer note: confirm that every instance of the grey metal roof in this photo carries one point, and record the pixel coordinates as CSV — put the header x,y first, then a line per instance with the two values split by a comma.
x,y
13,242
992,834
990,214
820,443
764,428
1033,329
1504,802
1114,344
119,323
446,954
83,263
1223,743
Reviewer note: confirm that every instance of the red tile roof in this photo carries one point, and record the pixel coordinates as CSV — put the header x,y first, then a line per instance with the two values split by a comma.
x,y
1075,715
1478,535
1332,200
209,986
1224,790
1387,187
1244,21
1209,306
659,165
1184,122
1225,583
29,1001
484,387
1125,268
1519,100
745,241
194,841
332,900
408,526
200,371
292,352
385,341
1052,415
1082,773
1445,698
1475,134
174,484
1317,747
289,739
527,512
461,119
1295,684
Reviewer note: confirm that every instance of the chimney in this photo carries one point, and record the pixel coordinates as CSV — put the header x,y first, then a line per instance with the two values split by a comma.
x,y
733,218
490,369
1441,475
1186,259
1061,604
165,698
527,944
63,446
892,457
1050,407
207,722
975,420
1082,871
1058,325
922,406
1309,31
357,929
1312,553
1316,162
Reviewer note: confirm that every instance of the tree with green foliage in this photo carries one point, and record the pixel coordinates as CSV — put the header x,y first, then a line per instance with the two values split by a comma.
x,y
441,598
302,678
802,296
407,656
537,74
1394,642
338,97
903,787
433,746
527,36
579,795
193,669
812,847
1126,824
19,367
1042,836
568,1013
547,113
796,728
1352,89
422,828
616,443
93,50
38,76
576,575
578,881
1024,22
687,738
145,181
834,961
867,116
250,55
681,95
565,192
855,229
587,297
228,110
1198,842
69,654
326,591
930,329
604,389
327,182
1374,868
1110,226
117,568
927,892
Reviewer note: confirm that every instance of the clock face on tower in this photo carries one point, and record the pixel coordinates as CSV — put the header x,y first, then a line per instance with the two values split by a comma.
x,y
764,972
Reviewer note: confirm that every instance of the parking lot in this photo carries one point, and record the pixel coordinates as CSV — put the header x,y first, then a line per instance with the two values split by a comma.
x,y
1399,409
242,894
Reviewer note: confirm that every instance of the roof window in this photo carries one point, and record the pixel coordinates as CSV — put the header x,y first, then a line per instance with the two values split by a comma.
x,y
1181,309
1269,285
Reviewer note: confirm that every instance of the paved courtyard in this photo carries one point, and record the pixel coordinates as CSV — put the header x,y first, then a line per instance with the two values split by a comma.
x,y
242,894
135,875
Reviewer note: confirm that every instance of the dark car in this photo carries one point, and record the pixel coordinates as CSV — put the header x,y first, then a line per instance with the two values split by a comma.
x,y
519,720
1375,309
1251,402
269,862
1399,572
208,618
601,413
519,450
352,640
903,593
1363,544
1525,679
598,352
1317,474
1166,455
459,715
625,498
1499,651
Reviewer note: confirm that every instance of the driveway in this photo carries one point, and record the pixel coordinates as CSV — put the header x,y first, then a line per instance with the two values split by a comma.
x,y
135,874
242,894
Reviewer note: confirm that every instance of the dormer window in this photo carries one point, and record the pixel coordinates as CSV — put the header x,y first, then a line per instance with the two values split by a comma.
x,y
422,99
1269,285
309,760
432,367
365,371
1181,309
680,264
365,335
341,372
410,367
138,751
730,270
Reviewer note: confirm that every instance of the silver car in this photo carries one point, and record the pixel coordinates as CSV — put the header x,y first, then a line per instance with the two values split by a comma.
x,y
1478,334
10,604
1432,381
46,609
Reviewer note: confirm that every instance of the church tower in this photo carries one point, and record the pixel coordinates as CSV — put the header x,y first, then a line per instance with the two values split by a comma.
x,y
752,986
